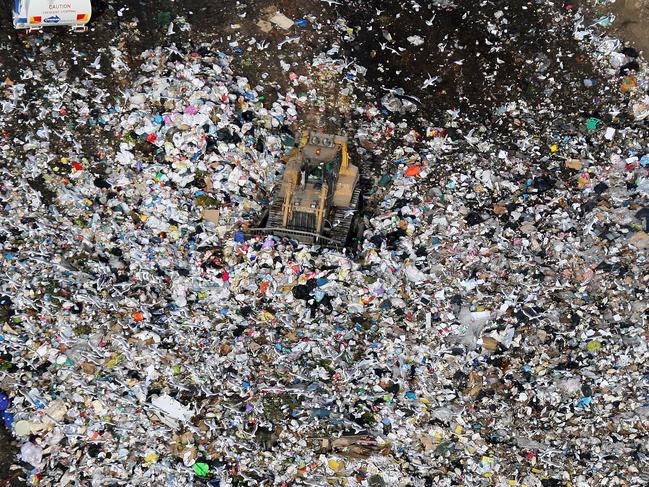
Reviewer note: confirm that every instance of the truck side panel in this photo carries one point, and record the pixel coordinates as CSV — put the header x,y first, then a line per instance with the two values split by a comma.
x,y
32,14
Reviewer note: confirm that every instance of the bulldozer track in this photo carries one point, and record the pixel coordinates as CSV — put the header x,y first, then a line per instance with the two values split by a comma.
x,y
343,219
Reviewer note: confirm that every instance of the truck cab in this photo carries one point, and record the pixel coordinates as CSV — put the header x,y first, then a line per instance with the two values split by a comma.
x,y
33,15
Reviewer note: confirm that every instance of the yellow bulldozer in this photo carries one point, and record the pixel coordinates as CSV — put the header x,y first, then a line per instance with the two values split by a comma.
x,y
319,197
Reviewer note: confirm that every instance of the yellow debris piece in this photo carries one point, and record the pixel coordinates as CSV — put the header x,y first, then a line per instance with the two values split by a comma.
x,y
151,457
335,465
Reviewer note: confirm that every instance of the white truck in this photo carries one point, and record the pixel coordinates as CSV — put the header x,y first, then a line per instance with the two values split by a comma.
x,y
33,15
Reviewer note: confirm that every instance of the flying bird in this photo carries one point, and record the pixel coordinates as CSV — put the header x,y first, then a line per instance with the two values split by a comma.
x,y
385,46
430,81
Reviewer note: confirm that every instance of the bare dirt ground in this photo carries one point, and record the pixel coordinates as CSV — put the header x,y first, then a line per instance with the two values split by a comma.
x,y
632,21
7,457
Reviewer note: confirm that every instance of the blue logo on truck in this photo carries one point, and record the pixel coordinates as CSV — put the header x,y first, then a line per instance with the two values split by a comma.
x,y
54,19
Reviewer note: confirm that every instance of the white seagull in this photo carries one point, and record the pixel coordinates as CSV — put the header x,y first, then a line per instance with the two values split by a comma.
x,y
430,81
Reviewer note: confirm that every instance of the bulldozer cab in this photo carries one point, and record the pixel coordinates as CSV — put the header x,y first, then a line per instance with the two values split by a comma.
x,y
323,160
317,172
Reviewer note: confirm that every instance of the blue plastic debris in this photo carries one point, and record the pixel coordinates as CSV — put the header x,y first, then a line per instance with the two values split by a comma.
x,y
584,401
321,413
4,401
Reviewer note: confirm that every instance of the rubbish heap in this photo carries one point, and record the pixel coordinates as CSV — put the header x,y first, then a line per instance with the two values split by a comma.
x,y
491,329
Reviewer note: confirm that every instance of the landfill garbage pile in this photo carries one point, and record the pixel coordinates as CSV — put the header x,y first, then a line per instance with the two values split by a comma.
x,y
490,330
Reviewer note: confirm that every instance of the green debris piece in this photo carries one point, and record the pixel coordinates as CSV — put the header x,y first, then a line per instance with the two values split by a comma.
x,y
207,202
442,448
368,418
592,123
201,469
175,369
385,180
594,346
164,18
82,330
114,361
